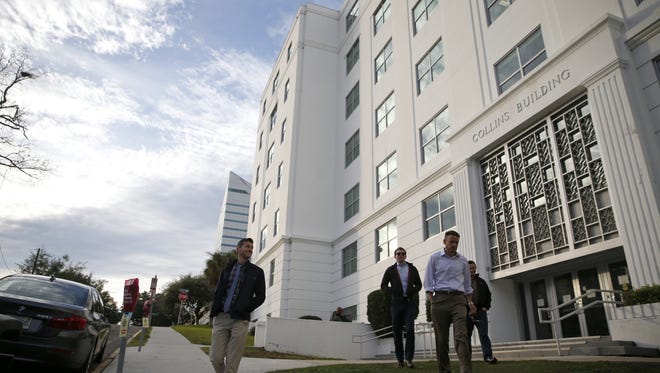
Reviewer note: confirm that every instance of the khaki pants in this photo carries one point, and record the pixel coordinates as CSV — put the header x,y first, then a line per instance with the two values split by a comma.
x,y
447,309
227,340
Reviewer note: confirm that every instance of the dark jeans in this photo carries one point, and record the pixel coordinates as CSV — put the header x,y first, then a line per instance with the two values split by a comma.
x,y
481,321
403,313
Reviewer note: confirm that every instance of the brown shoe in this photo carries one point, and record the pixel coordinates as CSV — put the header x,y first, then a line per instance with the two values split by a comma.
x,y
410,364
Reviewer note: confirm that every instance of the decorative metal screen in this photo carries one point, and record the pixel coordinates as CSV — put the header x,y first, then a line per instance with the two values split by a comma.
x,y
523,174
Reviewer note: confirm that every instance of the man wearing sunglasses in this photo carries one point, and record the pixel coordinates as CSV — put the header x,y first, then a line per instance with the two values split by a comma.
x,y
402,282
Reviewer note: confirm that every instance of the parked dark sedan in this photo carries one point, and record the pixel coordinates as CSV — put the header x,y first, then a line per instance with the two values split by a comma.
x,y
62,322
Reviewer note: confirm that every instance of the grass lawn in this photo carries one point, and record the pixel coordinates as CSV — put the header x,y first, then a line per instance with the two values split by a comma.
x,y
535,366
201,335
135,342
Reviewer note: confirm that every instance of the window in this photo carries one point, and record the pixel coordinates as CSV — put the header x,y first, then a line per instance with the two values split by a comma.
x,y
352,56
656,63
352,15
271,153
283,132
386,175
286,90
276,81
256,176
434,135
261,139
352,148
280,173
386,238
266,196
385,114
262,240
273,119
349,259
353,99
431,65
495,8
351,312
383,60
421,12
271,277
382,13
519,62
254,210
352,202
439,212
288,51
263,110
276,222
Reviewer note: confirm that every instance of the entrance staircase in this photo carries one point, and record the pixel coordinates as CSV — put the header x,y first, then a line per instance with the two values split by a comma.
x,y
593,346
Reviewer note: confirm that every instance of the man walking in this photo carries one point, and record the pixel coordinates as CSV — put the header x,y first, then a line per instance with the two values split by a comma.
x,y
401,281
447,285
481,298
240,290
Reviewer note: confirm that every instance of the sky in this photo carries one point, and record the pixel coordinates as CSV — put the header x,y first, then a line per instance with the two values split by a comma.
x,y
141,108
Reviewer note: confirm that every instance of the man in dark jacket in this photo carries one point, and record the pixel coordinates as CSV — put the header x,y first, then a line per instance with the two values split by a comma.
x,y
481,298
401,281
240,290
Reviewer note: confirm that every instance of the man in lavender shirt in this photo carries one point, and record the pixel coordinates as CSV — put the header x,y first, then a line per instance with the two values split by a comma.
x,y
448,287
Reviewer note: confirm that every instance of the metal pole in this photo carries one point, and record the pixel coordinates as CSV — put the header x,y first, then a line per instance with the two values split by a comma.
x,y
178,319
36,258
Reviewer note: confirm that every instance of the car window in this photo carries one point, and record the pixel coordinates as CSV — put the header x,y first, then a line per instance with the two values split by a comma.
x,y
51,291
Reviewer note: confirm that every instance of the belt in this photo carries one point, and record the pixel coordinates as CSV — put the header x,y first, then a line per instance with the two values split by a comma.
x,y
448,292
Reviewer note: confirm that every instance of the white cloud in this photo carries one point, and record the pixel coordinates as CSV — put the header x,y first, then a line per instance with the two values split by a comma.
x,y
105,26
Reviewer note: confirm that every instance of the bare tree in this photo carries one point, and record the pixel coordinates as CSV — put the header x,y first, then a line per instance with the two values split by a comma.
x,y
15,145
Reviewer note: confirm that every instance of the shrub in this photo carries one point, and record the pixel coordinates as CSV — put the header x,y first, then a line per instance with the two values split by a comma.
x,y
643,295
310,317
378,310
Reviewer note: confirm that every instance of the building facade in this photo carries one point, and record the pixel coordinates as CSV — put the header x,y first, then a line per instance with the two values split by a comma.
x,y
531,127
234,212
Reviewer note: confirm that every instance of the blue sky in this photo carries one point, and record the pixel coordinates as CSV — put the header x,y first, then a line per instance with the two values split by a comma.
x,y
142,108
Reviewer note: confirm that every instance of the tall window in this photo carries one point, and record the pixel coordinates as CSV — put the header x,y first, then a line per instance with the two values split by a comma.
x,y
353,56
352,15
276,222
434,135
386,173
353,99
256,176
276,81
271,277
349,259
383,60
262,240
266,196
352,148
286,90
382,14
254,210
439,212
263,109
430,66
271,154
386,238
385,114
520,61
280,174
421,12
656,62
261,139
283,132
352,202
273,119
288,51
495,8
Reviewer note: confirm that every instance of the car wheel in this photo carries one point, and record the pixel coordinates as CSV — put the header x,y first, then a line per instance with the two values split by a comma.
x,y
87,365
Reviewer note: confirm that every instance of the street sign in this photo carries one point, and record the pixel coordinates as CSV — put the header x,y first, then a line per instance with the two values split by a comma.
x,y
131,292
154,281
183,296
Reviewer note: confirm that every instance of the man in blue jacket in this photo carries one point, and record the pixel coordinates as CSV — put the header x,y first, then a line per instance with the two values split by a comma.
x,y
401,281
240,290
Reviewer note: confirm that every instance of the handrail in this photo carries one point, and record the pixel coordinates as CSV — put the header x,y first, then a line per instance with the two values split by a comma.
x,y
579,308
419,328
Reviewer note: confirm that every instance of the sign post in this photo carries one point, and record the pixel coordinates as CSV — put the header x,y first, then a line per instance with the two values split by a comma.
x,y
183,296
131,292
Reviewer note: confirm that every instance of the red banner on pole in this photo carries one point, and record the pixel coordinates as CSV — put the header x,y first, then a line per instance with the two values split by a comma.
x,y
131,294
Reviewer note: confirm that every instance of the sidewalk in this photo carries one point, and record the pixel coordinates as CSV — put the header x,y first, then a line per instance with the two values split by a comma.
x,y
167,351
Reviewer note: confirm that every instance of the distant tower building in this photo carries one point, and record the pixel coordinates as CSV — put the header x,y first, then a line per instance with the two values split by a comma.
x,y
232,225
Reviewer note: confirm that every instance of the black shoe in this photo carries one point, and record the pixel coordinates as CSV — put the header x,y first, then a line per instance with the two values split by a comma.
x,y
492,360
400,364
410,364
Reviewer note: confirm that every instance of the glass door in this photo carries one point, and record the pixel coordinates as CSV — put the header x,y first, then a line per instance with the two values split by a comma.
x,y
570,326
594,316
539,297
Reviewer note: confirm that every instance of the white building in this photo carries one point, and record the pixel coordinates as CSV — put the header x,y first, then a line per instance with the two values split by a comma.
x,y
531,127
232,224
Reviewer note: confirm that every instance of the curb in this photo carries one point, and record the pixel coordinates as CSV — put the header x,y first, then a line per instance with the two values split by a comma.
x,y
107,361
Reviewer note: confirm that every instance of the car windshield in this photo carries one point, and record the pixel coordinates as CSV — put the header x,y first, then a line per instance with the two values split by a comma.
x,y
52,291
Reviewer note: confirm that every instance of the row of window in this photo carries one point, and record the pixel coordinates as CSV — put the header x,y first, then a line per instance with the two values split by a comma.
x,y
438,215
